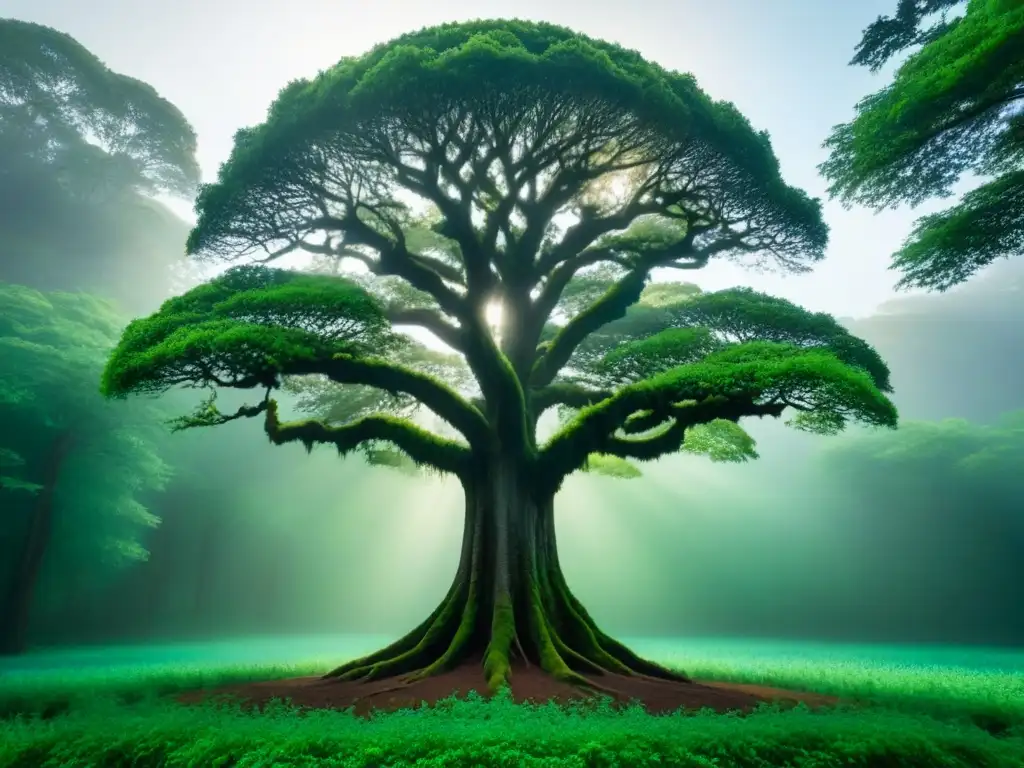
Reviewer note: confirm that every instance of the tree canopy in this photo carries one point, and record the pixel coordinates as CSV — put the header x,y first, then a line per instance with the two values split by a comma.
x,y
955,450
53,347
965,471
522,166
910,26
952,109
85,151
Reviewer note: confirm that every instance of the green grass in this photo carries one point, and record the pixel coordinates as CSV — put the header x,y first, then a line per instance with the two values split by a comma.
x,y
917,706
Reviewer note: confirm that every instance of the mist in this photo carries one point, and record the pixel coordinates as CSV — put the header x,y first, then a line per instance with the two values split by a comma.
x,y
827,538
264,540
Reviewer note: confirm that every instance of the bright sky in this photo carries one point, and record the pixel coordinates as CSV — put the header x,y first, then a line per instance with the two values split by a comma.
x,y
783,62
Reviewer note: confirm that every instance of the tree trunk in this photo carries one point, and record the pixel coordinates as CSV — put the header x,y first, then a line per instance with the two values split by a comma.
x,y
17,606
508,600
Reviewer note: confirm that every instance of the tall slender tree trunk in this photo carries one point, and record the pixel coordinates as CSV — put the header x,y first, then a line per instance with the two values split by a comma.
x,y
17,605
509,599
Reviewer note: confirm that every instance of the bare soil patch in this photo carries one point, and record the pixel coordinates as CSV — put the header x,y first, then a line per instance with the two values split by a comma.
x,y
528,684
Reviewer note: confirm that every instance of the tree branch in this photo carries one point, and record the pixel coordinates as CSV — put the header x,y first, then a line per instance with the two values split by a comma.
x,y
396,260
618,299
430,320
421,446
594,430
666,441
570,395
609,307
345,369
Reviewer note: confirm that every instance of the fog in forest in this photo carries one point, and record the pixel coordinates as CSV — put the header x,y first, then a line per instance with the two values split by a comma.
x,y
915,535
814,540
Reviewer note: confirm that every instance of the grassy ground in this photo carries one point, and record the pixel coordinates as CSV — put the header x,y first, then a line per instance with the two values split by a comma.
x,y
921,707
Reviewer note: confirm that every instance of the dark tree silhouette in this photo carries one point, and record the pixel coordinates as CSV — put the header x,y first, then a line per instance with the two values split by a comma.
x,y
887,36
954,107
515,166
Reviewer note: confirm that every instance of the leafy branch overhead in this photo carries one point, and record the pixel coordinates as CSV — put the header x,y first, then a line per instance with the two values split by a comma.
x,y
952,109
520,167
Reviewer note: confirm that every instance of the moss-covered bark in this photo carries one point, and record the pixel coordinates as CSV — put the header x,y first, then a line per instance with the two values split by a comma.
x,y
509,600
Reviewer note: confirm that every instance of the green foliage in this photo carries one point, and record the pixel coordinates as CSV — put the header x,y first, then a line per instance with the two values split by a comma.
x,y
915,707
141,134
84,150
636,360
755,378
815,380
888,35
951,109
739,315
721,441
973,456
611,466
665,293
946,248
249,326
53,347
552,172
549,78
685,331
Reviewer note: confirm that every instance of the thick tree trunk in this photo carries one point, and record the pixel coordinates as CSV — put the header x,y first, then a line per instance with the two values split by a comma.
x,y
17,605
508,600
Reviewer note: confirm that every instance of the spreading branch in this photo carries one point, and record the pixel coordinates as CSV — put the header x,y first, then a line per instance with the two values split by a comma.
x,y
753,379
566,394
421,446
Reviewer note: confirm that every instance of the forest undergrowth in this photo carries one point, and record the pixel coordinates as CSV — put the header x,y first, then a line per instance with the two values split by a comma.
x,y
919,707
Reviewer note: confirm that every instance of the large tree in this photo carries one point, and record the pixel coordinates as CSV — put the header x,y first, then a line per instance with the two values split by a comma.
x,y
74,469
953,108
84,152
508,187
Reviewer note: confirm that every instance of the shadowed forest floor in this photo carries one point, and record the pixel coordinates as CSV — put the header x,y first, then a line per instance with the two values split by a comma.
x,y
922,706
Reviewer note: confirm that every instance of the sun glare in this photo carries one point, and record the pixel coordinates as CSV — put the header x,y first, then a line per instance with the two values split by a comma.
x,y
493,313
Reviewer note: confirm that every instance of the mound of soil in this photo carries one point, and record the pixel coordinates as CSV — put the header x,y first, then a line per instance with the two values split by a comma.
x,y
528,683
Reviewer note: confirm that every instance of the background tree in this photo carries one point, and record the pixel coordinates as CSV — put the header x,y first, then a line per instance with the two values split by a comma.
x,y
978,460
953,489
84,153
953,107
492,167
74,471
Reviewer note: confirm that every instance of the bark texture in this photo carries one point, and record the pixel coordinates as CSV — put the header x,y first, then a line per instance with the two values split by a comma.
x,y
509,599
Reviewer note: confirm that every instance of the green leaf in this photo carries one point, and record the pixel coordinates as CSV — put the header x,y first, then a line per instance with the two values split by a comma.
x,y
949,111
249,323
720,441
611,466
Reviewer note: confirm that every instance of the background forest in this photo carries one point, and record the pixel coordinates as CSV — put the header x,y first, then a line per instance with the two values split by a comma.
x,y
112,527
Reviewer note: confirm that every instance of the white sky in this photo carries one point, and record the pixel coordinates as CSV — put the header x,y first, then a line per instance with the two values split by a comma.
x,y
783,62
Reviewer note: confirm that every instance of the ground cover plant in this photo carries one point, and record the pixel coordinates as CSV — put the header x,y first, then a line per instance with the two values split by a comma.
x,y
919,706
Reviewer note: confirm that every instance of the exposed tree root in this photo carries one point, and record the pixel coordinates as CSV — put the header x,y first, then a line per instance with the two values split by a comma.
x,y
542,623
623,660
558,635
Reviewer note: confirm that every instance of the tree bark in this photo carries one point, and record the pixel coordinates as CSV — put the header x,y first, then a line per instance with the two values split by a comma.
x,y
508,600
17,606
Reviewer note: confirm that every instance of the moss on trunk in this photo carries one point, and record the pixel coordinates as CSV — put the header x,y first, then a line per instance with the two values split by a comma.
x,y
509,598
